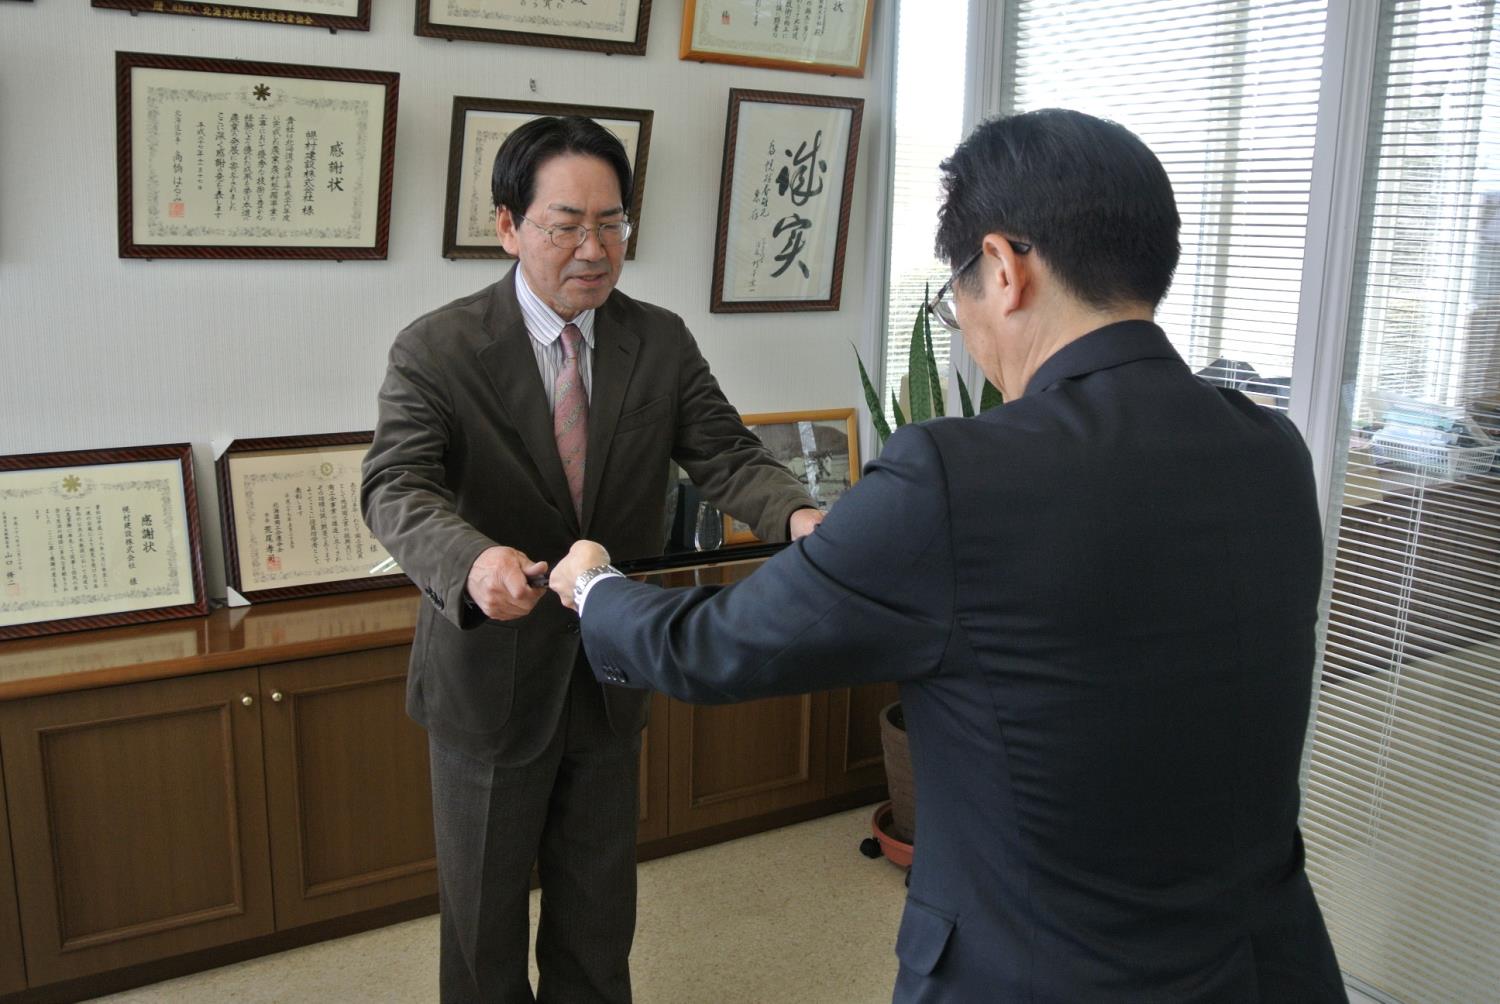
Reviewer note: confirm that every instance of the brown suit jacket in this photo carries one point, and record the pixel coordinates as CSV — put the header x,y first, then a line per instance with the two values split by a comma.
x,y
464,458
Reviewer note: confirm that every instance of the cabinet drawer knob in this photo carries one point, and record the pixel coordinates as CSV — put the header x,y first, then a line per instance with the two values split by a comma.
x,y
247,700
277,696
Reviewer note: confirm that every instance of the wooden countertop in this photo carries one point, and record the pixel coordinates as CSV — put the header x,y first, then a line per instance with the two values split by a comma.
x,y
225,639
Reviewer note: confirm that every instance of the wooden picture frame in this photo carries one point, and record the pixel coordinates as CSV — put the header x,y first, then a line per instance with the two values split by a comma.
x,y
480,125
335,15
308,176
621,31
803,207
790,37
98,538
821,448
291,519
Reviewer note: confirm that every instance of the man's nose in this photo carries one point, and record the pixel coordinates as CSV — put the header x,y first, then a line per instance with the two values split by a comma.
x,y
592,249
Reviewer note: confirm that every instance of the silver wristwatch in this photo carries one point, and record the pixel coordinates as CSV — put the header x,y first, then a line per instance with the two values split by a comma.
x,y
588,575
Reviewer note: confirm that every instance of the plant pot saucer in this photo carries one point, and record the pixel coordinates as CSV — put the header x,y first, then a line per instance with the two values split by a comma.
x,y
895,851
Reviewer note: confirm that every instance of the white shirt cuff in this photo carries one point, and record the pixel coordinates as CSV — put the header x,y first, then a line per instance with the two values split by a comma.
x,y
588,587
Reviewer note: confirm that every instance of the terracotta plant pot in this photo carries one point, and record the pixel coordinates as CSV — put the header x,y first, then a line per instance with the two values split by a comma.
x,y
898,773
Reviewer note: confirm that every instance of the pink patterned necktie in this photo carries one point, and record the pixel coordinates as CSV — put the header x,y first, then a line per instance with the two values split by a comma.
x,y
570,417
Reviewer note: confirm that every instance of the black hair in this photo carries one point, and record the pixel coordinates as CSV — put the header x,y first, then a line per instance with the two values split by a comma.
x,y
513,181
1089,197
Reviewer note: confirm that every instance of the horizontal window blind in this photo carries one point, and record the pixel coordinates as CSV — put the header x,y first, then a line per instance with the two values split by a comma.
x,y
1225,92
930,58
1402,809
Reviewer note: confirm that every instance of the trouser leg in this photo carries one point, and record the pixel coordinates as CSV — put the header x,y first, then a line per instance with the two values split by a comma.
x,y
487,823
587,858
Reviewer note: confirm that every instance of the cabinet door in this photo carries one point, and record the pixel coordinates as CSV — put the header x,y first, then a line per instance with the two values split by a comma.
x,y
137,822
349,795
12,966
739,760
653,808
855,757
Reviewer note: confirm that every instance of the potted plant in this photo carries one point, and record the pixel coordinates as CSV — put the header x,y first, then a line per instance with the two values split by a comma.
x,y
894,823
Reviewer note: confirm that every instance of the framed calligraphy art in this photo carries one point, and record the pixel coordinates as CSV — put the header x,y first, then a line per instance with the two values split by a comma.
x,y
291,518
348,15
610,26
815,36
96,538
821,448
784,195
480,125
220,158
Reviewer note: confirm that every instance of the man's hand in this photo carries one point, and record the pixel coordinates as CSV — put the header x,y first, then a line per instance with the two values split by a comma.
x,y
583,555
497,583
804,522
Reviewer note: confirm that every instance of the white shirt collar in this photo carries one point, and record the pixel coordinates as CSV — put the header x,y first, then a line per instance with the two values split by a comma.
x,y
542,322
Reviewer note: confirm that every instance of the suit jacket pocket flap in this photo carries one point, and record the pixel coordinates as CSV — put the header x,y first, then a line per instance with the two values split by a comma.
x,y
923,936
646,414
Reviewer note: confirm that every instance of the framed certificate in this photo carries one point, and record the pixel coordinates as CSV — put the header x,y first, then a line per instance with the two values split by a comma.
x,y
612,26
480,125
226,159
96,538
821,448
291,518
350,15
784,194
815,36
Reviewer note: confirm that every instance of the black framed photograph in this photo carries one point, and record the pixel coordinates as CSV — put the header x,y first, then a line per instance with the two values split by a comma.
x,y
813,36
223,158
291,518
335,15
98,538
784,200
609,26
480,125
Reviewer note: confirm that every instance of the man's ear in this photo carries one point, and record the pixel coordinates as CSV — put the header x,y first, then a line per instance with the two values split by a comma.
x,y
505,229
1011,271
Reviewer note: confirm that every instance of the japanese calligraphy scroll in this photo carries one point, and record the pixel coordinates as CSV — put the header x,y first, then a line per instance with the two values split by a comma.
x,y
291,518
815,36
98,537
614,26
348,15
229,159
480,125
784,198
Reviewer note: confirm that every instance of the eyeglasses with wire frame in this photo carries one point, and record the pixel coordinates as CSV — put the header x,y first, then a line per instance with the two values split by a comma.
x,y
568,236
942,306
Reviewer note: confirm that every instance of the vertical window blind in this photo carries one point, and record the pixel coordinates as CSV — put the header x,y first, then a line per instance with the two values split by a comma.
x,y
1225,92
1402,808
930,58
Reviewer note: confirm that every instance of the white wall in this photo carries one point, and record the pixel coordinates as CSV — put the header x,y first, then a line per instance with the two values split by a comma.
x,y
96,351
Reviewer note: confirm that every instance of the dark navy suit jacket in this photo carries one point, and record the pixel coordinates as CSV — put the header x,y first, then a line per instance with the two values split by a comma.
x,y
1100,601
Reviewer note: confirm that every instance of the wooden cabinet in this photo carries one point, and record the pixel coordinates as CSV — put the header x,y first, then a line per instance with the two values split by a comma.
x,y
137,821
348,793
732,761
855,758
12,966
654,824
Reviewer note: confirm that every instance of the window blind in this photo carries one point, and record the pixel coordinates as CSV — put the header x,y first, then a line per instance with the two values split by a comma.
x,y
1225,92
1402,807
930,47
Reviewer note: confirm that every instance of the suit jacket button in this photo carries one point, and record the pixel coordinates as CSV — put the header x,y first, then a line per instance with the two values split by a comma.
x,y
572,627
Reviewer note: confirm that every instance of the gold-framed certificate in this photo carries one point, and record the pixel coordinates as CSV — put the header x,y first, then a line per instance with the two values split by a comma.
x,y
219,158
96,538
291,518
814,36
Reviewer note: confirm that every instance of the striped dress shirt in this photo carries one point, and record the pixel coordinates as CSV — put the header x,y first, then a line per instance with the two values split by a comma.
x,y
545,329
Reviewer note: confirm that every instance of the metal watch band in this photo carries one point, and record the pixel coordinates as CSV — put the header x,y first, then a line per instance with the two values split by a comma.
x,y
589,574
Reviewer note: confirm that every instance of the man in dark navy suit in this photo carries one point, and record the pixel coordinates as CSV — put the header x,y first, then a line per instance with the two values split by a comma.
x,y
1100,601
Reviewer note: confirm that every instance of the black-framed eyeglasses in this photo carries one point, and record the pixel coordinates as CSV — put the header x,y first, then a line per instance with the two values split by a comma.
x,y
568,236
942,306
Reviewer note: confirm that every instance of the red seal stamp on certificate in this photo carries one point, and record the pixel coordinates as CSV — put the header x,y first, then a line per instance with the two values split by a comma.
x,y
176,210
273,563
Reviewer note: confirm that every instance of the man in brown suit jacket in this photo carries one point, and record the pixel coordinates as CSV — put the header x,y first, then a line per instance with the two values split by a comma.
x,y
532,761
